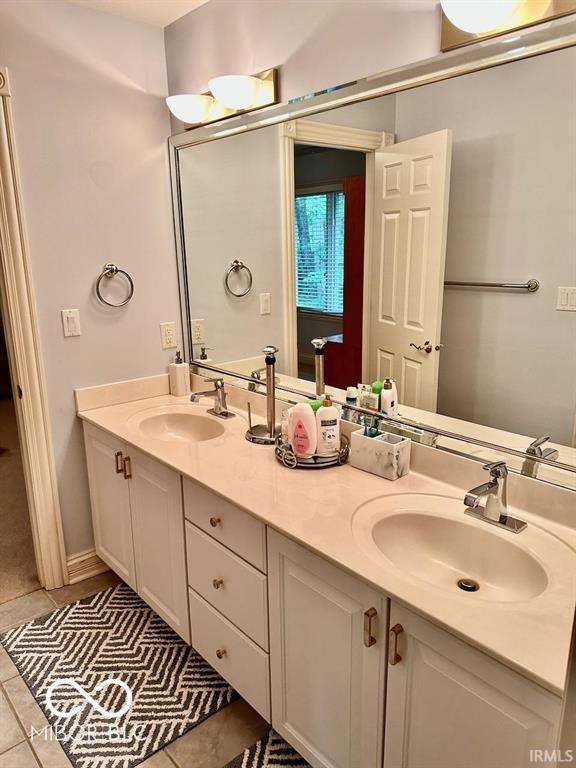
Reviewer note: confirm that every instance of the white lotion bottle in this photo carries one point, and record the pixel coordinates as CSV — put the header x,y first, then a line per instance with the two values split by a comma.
x,y
302,430
328,428
388,401
179,375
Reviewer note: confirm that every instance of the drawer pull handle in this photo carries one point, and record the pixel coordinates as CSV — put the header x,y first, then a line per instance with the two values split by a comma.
x,y
217,583
127,467
393,655
119,462
369,616
221,652
215,522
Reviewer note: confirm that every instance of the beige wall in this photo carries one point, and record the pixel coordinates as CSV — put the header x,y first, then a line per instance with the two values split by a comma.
x,y
91,129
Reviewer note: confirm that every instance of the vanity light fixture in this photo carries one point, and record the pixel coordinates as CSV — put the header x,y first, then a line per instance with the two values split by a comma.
x,y
479,15
190,107
230,95
467,21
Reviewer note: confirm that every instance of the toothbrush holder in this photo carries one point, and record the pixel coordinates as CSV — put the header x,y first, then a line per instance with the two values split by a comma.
x,y
386,455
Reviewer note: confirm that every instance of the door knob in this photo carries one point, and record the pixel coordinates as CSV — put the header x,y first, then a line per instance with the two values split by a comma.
x,y
426,347
217,583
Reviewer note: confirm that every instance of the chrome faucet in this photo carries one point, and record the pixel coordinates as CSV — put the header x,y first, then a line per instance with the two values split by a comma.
x,y
495,498
529,466
257,379
219,394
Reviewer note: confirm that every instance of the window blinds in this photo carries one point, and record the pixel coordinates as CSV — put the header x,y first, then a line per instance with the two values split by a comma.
x,y
319,236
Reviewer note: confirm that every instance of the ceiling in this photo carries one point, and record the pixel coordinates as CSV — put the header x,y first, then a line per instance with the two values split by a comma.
x,y
159,13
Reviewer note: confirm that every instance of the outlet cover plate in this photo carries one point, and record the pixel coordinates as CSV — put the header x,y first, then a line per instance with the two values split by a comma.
x,y
168,335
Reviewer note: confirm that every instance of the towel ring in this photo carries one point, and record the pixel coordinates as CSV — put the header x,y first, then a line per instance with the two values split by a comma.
x,y
237,266
111,270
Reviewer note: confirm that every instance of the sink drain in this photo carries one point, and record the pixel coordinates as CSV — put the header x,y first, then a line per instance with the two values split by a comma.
x,y
468,585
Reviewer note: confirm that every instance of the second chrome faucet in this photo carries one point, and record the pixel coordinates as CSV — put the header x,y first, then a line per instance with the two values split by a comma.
x,y
489,501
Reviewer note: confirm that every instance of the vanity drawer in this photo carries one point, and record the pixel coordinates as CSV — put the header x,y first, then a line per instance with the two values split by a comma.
x,y
227,523
232,586
244,665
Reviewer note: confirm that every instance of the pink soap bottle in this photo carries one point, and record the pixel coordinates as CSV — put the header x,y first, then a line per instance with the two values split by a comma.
x,y
302,429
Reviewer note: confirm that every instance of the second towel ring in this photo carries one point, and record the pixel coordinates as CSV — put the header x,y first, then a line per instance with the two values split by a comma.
x,y
111,270
238,266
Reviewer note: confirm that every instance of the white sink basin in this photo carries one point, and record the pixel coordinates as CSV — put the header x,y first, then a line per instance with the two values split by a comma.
x,y
180,424
429,538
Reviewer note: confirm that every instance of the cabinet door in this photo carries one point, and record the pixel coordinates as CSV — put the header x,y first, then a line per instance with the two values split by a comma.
x,y
449,705
110,500
158,522
327,679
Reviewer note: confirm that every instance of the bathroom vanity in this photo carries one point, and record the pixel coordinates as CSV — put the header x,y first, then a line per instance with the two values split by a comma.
x,y
328,599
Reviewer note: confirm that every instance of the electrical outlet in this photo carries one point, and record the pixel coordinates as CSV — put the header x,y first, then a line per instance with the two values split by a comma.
x,y
566,301
198,335
264,303
71,322
168,335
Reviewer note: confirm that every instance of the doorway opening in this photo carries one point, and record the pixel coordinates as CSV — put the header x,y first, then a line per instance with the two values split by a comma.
x,y
329,222
18,572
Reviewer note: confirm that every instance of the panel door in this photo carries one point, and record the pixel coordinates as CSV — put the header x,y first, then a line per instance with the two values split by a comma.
x,y
110,501
327,684
449,705
409,221
158,516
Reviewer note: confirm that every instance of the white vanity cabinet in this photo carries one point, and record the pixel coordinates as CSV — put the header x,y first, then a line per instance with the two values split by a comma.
x,y
110,502
327,658
139,523
449,705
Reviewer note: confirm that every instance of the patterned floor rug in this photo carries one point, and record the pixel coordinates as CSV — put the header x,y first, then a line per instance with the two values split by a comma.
x,y
115,682
270,752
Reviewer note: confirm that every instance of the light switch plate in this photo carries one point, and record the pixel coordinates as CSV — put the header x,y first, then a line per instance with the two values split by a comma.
x,y
198,333
168,335
71,322
264,303
566,299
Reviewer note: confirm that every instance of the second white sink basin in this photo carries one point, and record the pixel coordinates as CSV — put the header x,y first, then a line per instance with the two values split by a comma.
x,y
180,424
428,537
442,551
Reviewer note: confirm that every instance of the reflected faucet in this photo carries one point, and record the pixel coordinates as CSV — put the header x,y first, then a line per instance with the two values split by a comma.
x,y
494,494
529,466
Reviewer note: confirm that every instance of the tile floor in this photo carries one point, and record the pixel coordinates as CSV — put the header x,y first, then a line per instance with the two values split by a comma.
x,y
212,744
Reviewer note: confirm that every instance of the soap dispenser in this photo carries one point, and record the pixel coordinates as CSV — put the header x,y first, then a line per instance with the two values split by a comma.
x,y
179,375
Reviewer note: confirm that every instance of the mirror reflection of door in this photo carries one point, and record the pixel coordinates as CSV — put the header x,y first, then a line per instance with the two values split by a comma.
x,y
329,221
409,223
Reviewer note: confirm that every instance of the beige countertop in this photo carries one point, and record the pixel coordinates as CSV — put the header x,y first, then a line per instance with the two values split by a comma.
x,y
317,509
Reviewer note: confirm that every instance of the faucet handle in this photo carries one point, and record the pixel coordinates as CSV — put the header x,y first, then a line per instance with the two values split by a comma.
x,y
497,469
217,381
534,447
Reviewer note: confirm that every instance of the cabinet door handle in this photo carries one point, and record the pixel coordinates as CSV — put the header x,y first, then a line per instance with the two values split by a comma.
x,y
221,652
217,583
119,462
127,467
369,616
215,522
393,655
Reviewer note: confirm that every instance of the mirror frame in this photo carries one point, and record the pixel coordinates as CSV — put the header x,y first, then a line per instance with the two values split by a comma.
x,y
544,38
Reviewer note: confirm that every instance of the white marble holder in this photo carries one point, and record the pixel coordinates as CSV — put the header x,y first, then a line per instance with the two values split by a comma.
x,y
386,455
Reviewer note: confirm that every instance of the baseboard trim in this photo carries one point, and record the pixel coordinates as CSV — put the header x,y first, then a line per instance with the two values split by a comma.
x,y
84,565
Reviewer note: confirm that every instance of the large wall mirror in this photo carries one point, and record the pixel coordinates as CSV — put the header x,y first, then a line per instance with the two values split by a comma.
x,y
428,235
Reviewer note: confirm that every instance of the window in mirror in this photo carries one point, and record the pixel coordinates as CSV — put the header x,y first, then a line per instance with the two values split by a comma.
x,y
319,237
329,210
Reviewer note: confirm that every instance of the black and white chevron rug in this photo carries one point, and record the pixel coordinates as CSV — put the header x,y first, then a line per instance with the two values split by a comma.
x,y
270,752
115,682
